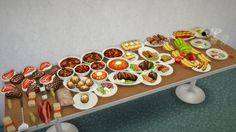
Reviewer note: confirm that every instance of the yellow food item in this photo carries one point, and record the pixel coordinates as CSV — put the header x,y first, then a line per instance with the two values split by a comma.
x,y
187,63
129,55
131,45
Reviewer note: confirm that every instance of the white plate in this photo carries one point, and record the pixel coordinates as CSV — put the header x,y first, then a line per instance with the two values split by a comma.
x,y
91,52
134,59
113,91
154,46
171,70
69,57
137,63
200,70
113,48
202,45
116,59
118,82
159,79
92,88
140,51
171,61
219,51
93,99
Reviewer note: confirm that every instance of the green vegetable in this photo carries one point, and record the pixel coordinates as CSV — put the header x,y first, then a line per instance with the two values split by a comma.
x,y
33,118
129,82
101,90
52,92
9,104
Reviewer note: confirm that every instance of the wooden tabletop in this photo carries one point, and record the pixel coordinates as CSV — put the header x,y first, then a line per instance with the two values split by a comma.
x,y
180,73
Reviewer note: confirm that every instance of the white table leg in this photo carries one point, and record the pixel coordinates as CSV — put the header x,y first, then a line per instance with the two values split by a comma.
x,y
190,93
63,127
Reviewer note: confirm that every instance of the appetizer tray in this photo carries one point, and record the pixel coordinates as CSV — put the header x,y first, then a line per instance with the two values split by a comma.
x,y
122,93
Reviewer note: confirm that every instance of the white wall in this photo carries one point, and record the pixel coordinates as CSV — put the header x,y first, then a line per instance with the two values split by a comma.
x,y
32,31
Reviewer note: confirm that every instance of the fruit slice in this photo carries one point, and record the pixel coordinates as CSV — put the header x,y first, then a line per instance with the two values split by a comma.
x,y
7,76
29,70
187,63
45,66
26,83
46,79
7,88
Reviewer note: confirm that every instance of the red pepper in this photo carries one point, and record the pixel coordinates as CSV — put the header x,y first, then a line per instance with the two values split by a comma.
x,y
44,111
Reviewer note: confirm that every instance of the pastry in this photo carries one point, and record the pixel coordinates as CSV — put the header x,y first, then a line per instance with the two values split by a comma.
x,y
7,76
157,39
70,85
38,74
8,124
131,45
89,82
183,34
17,79
29,70
129,55
57,110
31,99
83,88
75,79
84,98
64,97
152,56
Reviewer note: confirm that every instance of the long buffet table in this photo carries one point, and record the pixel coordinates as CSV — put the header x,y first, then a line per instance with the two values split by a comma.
x,y
180,76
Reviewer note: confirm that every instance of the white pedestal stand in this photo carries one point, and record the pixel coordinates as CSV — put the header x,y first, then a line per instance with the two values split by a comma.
x,y
190,93
63,127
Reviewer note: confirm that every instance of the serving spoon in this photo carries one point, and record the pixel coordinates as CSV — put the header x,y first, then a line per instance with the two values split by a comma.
x,y
23,126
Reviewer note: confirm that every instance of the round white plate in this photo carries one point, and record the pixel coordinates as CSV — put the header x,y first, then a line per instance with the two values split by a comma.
x,y
113,48
91,52
140,51
219,51
113,91
134,59
137,63
159,79
118,82
204,43
115,59
171,70
200,70
93,99
66,127
154,46
171,61
92,88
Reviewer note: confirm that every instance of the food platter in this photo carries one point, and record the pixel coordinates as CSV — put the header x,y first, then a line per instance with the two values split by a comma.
x,y
92,101
166,58
184,34
151,78
106,89
207,69
217,54
156,41
164,69
136,78
141,66
200,43
75,89
149,54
